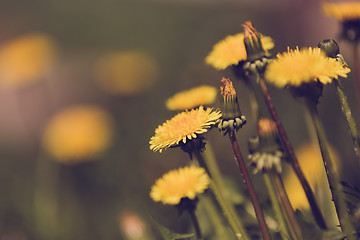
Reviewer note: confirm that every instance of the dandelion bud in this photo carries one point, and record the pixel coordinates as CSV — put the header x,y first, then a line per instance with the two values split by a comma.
x,y
232,119
332,50
329,47
257,57
266,150
253,44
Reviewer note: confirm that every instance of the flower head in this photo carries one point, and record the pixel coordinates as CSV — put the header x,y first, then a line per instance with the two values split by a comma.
x,y
126,72
180,183
343,11
26,59
296,67
182,127
348,13
231,50
78,133
199,96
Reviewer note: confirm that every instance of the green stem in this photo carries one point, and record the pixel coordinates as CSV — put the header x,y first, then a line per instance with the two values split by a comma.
x,y
310,125
275,202
195,223
217,177
227,208
46,203
253,100
333,177
349,118
214,216
250,187
211,163
288,209
292,157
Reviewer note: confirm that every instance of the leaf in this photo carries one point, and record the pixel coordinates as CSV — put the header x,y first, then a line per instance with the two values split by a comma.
x,y
167,234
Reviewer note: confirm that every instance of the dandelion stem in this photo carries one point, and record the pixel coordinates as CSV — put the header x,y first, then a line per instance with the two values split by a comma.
x,y
195,223
228,209
285,203
275,202
356,69
250,188
348,116
333,177
294,162
211,163
214,216
46,203
253,100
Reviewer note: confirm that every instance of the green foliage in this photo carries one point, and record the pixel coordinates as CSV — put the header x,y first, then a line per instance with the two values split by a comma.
x,y
167,234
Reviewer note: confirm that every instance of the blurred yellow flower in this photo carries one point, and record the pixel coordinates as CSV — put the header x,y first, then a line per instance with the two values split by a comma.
x,y
78,133
180,183
198,96
342,11
231,50
26,59
126,73
183,126
295,67
311,163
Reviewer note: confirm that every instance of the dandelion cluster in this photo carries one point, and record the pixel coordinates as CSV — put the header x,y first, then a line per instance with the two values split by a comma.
x,y
225,124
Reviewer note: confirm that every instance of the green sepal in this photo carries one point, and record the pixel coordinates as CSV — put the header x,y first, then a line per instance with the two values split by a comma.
x,y
254,49
230,108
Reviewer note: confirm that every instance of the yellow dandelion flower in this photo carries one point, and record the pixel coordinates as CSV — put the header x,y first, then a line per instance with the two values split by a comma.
x,y
78,133
180,183
26,59
192,98
296,67
343,11
126,73
231,50
311,163
184,126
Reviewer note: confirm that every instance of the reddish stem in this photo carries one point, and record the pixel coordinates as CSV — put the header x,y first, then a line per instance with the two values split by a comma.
x,y
250,188
279,185
294,162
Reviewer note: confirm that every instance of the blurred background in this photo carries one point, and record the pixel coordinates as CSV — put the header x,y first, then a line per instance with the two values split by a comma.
x,y
106,68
